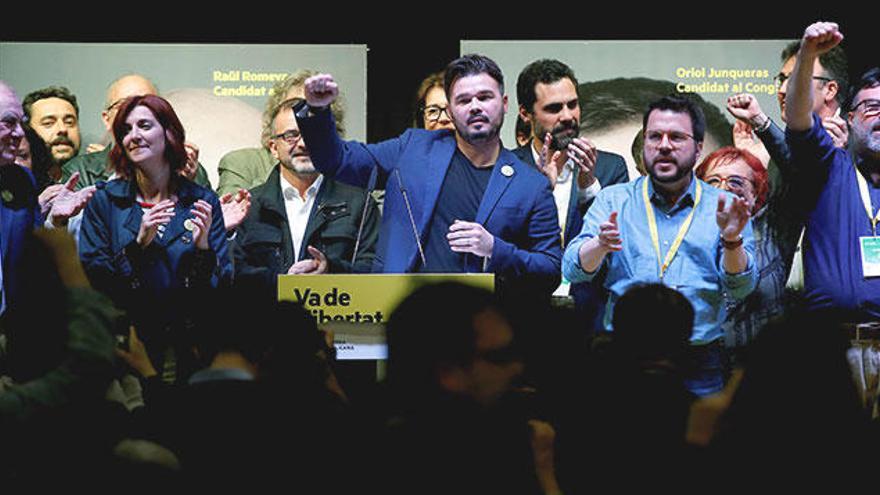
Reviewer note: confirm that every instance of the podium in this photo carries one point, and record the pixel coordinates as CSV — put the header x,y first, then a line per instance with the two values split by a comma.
x,y
356,306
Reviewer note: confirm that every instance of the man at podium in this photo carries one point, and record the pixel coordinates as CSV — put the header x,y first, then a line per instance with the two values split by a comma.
x,y
456,201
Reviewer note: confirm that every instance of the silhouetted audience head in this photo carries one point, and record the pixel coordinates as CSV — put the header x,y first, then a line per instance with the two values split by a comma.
x,y
653,322
451,338
279,338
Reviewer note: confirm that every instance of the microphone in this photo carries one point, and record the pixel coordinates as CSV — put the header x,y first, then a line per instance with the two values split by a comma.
x,y
412,221
371,184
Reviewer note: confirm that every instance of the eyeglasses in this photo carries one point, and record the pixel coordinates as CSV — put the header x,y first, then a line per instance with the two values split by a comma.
x,y
290,137
433,112
781,78
870,107
676,139
736,182
115,104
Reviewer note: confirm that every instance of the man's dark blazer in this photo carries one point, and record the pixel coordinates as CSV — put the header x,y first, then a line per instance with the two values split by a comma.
x,y
589,297
263,248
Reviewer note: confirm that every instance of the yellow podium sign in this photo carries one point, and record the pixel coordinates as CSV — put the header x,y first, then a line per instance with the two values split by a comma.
x,y
356,306
364,297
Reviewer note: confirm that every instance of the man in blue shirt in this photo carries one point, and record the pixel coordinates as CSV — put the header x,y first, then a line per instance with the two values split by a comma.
x,y
659,229
840,253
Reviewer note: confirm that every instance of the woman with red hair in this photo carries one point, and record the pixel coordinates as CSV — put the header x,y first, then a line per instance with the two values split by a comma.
x,y
739,172
776,236
150,235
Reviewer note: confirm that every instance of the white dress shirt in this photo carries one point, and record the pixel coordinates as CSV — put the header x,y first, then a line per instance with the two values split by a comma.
x,y
298,210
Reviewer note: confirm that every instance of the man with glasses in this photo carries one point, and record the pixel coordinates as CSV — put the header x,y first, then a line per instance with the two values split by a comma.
x,y
302,222
247,168
838,273
547,92
787,181
842,235
672,228
830,82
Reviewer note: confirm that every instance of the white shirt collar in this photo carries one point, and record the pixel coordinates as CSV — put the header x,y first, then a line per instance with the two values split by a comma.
x,y
290,193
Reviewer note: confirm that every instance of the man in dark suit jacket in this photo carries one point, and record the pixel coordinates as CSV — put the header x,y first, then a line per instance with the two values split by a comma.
x,y
19,212
454,202
300,221
548,100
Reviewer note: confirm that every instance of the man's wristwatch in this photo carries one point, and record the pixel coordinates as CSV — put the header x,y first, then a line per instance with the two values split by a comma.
x,y
303,110
763,125
732,244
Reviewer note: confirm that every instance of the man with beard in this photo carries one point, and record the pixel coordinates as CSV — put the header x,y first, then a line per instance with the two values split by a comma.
x,y
54,114
841,263
547,91
659,229
302,222
455,201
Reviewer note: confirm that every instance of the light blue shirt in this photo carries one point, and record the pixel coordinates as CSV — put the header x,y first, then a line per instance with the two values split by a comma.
x,y
696,270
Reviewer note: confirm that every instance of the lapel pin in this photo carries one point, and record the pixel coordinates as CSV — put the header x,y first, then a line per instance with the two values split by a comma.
x,y
507,171
189,225
7,196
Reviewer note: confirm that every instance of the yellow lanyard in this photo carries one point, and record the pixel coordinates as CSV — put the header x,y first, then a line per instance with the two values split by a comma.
x,y
866,201
562,231
682,231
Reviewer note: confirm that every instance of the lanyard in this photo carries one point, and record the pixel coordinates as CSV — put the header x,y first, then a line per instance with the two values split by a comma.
x,y
866,201
682,231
